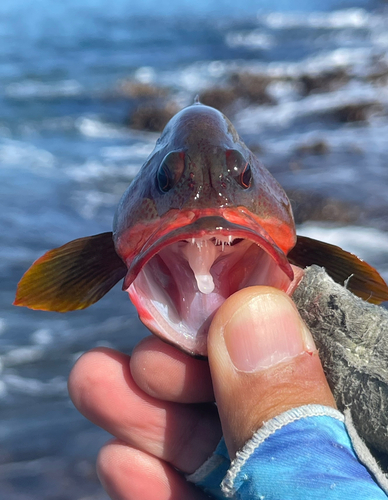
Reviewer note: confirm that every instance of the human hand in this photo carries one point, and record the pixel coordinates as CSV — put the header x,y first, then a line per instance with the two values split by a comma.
x,y
159,404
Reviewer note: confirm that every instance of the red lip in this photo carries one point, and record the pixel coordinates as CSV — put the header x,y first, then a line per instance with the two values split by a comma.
x,y
208,225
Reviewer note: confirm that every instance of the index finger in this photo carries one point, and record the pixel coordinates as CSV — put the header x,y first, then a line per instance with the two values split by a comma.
x,y
165,373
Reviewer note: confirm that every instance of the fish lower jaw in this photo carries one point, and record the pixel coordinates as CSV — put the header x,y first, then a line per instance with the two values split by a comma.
x,y
179,290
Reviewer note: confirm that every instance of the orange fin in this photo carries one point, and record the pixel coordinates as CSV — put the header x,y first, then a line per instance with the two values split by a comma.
x,y
344,267
73,276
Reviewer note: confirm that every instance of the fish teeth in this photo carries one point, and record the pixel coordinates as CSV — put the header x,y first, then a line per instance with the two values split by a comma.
x,y
220,241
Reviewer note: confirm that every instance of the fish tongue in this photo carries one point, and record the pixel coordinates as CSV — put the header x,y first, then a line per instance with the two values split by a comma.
x,y
201,255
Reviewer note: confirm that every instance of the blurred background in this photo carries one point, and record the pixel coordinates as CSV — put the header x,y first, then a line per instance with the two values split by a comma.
x,y
85,88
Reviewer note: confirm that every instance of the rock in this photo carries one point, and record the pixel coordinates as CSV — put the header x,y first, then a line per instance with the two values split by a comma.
x,y
221,98
147,106
356,112
378,74
251,87
324,82
310,206
152,117
137,90
319,147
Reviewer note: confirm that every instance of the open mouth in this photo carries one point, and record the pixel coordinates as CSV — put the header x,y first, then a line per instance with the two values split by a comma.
x,y
179,282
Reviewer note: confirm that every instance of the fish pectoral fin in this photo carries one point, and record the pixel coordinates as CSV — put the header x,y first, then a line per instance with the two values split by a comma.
x,y
344,267
73,276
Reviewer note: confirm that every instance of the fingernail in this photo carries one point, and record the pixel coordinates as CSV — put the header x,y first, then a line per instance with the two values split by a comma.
x,y
265,331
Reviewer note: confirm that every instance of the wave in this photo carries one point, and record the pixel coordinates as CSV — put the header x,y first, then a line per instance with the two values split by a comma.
x,y
18,153
283,114
34,89
94,169
347,18
367,243
117,162
255,39
94,127
22,355
135,151
34,387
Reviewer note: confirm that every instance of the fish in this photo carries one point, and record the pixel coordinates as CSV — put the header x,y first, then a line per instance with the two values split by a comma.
x,y
202,219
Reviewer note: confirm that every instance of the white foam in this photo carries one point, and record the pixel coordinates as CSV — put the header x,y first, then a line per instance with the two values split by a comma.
x,y
117,162
216,68
89,202
21,154
351,51
353,57
283,114
139,150
31,88
145,74
94,170
196,77
22,355
371,137
94,127
255,39
10,255
35,387
59,123
366,242
340,19
380,38
43,336
3,389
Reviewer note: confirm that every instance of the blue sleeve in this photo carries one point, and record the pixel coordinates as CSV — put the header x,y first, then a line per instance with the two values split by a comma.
x,y
305,453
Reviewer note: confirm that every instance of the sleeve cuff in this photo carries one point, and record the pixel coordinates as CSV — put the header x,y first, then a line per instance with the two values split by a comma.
x,y
309,452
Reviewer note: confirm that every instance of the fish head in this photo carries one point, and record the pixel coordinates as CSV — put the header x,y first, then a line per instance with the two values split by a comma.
x,y
202,219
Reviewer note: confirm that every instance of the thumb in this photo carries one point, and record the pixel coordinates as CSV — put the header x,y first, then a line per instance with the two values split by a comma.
x,y
263,362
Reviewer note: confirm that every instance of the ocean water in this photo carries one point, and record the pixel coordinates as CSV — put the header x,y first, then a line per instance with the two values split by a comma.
x,y
66,157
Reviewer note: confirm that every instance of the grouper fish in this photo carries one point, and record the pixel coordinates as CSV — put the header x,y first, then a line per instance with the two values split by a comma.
x,y
202,219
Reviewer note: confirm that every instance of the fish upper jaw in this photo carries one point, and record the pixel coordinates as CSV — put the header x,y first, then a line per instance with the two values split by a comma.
x,y
181,277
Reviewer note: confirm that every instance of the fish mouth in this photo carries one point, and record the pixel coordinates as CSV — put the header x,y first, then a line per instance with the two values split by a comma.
x,y
180,279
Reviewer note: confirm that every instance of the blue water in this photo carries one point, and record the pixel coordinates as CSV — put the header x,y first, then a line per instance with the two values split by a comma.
x,y
66,156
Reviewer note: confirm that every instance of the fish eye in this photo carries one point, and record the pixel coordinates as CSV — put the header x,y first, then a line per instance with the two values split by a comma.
x,y
170,170
238,168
